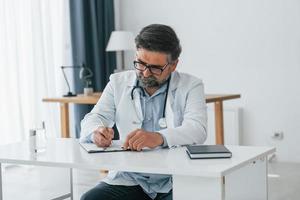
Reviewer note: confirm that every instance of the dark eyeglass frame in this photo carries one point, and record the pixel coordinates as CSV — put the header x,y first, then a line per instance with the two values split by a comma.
x,y
150,67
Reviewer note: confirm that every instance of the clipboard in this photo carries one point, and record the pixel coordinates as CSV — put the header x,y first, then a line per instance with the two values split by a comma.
x,y
93,148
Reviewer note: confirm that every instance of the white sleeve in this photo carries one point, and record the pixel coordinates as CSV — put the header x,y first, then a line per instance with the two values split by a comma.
x,y
103,114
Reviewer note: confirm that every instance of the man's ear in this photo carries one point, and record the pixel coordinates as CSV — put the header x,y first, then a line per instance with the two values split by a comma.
x,y
174,65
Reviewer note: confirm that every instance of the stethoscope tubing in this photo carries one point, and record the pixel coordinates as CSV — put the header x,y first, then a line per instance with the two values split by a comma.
x,y
143,93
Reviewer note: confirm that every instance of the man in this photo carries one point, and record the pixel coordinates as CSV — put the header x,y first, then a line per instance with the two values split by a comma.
x,y
152,106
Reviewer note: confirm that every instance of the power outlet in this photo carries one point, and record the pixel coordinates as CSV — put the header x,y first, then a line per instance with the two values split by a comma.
x,y
278,135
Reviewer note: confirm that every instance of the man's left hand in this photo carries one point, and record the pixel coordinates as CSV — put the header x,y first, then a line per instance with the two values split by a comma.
x,y
138,139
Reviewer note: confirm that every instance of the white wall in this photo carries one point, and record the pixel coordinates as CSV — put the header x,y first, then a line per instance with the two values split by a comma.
x,y
251,47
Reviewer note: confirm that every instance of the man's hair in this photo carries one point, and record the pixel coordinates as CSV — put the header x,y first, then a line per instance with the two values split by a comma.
x,y
159,38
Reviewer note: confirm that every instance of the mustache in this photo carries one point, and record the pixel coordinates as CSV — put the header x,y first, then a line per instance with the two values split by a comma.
x,y
148,82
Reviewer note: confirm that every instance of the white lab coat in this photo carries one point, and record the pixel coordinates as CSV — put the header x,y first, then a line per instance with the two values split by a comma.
x,y
186,113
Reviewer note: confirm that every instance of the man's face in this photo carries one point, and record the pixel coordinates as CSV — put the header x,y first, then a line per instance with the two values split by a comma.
x,y
158,60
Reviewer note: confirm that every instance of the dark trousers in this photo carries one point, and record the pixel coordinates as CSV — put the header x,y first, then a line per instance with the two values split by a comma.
x,y
104,191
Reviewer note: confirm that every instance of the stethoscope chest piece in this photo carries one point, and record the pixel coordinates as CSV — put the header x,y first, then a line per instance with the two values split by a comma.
x,y
162,122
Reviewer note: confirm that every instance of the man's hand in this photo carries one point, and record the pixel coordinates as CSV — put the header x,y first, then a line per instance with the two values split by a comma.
x,y
138,139
103,136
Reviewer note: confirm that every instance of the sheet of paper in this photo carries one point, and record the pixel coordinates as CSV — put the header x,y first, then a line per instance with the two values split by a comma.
x,y
91,147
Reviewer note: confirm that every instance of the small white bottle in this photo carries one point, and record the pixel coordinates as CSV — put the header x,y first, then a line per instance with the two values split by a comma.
x,y
32,141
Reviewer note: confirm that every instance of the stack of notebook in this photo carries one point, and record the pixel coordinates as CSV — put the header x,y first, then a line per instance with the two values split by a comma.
x,y
208,151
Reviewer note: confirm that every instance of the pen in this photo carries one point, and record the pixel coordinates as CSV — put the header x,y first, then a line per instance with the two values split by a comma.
x,y
181,145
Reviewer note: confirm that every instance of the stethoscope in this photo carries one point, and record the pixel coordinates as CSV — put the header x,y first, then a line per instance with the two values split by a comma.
x,y
162,122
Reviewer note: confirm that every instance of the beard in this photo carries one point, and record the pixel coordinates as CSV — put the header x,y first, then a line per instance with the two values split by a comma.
x,y
150,81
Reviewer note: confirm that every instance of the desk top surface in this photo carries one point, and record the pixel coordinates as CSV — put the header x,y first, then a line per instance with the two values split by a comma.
x,y
93,99
68,153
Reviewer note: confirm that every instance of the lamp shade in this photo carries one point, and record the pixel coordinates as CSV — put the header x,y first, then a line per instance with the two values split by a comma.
x,y
120,41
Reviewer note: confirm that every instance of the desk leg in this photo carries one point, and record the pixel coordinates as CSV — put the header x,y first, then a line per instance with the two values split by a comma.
x,y
64,120
195,188
69,195
219,123
71,183
249,182
1,191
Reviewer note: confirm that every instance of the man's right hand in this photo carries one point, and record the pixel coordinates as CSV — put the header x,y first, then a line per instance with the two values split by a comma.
x,y
103,136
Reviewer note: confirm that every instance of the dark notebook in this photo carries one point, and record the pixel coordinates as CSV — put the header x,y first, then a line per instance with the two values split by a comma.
x,y
208,151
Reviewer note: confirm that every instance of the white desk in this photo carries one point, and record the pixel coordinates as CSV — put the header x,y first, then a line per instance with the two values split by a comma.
x,y
210,179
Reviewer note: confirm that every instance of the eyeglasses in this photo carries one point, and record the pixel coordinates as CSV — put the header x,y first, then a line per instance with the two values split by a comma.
x,y
154,69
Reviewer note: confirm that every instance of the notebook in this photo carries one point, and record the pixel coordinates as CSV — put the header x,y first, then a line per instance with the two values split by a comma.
x,y
93,148
208,151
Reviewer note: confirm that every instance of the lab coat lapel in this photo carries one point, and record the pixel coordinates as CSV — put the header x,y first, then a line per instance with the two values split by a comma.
x,y
128,117
137,105
169,111
170,101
